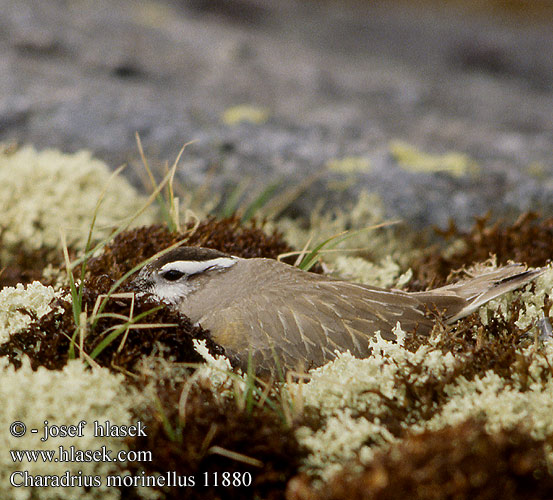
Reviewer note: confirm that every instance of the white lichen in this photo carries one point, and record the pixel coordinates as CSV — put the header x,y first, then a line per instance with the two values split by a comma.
x,y
532,297
499,404
385,274
341,440
63,397
41,192
349,386
217,370
14,301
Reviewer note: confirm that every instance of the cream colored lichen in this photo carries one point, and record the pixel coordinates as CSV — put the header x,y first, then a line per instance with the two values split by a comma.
x,y
35,298
41,192
386,273
349,386
359,220
533,299
350,382
217,370
341,440
500,403
62,398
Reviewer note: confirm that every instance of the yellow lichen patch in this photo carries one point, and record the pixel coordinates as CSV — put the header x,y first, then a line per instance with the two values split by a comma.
x,y
538,171
43,192
245,113
414,160
349,164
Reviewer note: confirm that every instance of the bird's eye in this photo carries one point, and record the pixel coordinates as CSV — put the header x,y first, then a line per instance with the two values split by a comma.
x,y
172,275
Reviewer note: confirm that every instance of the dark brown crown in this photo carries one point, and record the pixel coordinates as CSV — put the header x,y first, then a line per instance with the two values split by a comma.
x,y
189,253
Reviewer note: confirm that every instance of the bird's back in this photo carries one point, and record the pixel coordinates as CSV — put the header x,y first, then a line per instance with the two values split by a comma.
x,y
293,319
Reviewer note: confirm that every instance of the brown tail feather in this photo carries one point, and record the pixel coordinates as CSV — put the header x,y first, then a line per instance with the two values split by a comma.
x,y
477,291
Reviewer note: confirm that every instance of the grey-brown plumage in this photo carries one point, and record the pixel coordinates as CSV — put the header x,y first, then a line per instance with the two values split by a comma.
x,y
298,319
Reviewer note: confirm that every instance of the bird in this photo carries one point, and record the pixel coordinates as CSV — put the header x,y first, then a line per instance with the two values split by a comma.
x,y
281,318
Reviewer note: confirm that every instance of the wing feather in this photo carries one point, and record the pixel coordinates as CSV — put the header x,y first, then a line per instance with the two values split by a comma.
x,y
310,323
285,315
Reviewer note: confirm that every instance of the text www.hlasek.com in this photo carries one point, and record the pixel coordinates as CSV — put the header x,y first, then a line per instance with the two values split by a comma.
x,y
73,454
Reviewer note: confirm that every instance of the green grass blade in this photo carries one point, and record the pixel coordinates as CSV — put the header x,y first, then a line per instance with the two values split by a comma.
x,y
126,225
250,384
313,256
118,331
233,201
260,201
167,427
77,294
76,304
163,207
280,373
120,281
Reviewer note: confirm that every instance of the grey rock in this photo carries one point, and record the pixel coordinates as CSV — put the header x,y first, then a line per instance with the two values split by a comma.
x,y
339,80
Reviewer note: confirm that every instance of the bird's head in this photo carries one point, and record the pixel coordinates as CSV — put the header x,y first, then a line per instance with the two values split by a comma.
x,y
177,273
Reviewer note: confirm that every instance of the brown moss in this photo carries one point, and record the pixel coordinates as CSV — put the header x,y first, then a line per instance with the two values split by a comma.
x,y
188,449
132,247
496,347
479,348
47,341
26,266
461,462
231,236
528,240
129,249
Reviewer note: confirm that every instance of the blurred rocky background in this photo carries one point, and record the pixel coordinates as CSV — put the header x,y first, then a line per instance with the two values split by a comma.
x,y
443,108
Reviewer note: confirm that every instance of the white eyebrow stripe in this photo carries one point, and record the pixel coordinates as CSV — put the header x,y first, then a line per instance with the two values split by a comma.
x,y
190,267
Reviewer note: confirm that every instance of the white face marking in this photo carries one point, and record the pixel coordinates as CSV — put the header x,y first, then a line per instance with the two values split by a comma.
x,y
170,292
170,281
189,267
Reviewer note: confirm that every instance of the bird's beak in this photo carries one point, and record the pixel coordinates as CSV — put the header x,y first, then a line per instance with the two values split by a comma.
x,y
138,284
